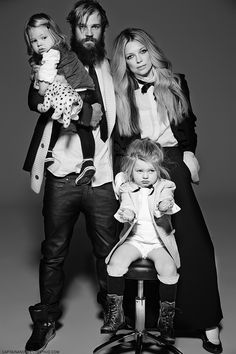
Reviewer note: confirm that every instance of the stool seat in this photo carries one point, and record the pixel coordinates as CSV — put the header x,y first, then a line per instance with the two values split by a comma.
x,y
142,269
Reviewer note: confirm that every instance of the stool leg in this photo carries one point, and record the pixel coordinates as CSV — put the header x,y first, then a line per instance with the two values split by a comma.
x,y
162,343
139,343
140,308
113,340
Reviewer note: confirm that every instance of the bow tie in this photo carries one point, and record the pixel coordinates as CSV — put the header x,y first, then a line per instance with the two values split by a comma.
x,y
145,86
149,187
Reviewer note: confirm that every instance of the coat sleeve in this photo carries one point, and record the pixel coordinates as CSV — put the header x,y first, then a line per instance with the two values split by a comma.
x,y
184,132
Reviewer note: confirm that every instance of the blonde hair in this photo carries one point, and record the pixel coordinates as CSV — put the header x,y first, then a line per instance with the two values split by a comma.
x,y
42,19
146,150
167,90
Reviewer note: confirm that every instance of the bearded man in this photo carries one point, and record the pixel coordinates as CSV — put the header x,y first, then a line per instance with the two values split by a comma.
x,y
63,199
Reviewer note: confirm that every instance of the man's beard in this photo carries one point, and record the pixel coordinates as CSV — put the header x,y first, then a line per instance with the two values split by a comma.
x,y
89,55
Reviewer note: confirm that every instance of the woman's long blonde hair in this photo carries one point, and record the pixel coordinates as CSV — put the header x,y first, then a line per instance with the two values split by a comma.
x,y
167,89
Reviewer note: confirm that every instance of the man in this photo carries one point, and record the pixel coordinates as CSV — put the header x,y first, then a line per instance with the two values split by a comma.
x,y
63,199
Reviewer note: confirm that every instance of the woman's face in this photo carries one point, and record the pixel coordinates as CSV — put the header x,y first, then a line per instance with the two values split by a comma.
x,y
138,58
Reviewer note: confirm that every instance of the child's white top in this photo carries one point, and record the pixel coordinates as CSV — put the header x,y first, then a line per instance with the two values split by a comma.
x,y
48,69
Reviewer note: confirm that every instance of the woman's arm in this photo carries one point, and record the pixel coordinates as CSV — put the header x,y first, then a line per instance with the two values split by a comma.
x,y
185,131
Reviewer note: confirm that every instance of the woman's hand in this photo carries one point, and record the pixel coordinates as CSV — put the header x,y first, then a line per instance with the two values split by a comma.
x,y
191,162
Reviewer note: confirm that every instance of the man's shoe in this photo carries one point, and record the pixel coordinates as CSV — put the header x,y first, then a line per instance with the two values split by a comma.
x,y
209,346
86,174
42,333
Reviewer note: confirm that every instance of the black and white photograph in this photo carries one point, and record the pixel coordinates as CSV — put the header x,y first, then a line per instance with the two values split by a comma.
x,y
118,177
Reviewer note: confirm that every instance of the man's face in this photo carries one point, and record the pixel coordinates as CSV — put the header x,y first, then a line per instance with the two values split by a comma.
x,y
89,31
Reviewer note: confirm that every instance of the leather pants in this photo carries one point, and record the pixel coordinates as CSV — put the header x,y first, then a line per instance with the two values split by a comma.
x,y
63,202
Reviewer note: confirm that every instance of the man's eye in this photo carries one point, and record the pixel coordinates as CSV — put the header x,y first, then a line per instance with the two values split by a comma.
x,y
143,51
82,27
97,26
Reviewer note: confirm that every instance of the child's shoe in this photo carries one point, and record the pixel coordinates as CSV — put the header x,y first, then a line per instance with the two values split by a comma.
x,y
165,321
115,318
87,172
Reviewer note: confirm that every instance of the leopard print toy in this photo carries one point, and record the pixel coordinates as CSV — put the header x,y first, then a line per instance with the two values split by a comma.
x,y
66,102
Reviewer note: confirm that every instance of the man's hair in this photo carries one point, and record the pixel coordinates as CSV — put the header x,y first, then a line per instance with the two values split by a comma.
x,y
86,8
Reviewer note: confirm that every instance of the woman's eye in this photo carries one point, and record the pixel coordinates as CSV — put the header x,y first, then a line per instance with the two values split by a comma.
x,y
129,57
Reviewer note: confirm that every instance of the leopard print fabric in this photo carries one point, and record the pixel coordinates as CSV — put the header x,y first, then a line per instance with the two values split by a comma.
x,y
66,102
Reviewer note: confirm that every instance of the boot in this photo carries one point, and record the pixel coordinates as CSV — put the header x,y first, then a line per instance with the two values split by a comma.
x,y
165,321
115,318
43,330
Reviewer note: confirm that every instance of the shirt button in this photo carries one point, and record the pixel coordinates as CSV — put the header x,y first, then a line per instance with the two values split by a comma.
x,y
36,176
42,145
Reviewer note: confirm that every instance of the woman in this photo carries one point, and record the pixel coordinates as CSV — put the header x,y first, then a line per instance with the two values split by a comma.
x,y
154,102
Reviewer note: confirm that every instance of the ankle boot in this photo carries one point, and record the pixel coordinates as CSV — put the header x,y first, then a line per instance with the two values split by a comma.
x,y
43,329
115,318
165,321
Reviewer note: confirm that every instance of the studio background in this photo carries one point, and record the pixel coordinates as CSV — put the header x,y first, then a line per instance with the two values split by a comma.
x,y
199,39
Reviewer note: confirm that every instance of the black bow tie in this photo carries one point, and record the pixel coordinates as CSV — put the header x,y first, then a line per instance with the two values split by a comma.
x,y
145,86
149,187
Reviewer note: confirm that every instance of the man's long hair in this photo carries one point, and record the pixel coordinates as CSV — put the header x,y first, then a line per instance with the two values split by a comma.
x,y
81,11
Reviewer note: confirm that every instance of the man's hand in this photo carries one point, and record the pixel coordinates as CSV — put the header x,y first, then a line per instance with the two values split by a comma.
x,y
96,115
34,70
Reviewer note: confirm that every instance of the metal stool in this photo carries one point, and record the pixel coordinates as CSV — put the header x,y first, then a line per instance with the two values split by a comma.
x,y
140,270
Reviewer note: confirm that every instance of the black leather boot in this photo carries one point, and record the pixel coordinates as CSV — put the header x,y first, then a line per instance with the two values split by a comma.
x,y
165,321
115,318
43,329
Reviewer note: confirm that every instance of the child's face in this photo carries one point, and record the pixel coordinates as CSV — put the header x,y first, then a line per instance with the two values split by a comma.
x,y
41,39
144,174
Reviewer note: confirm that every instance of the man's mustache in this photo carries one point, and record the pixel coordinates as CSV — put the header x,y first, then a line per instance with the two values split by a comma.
x,y
89,39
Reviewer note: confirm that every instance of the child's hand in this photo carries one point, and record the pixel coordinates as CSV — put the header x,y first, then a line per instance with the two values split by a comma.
x,y
165,205
127,215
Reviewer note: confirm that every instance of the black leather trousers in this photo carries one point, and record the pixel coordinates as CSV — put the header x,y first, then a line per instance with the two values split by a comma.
x,y
63,202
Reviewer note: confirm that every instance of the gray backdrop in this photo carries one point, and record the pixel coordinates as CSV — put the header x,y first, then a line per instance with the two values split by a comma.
x,y
198,36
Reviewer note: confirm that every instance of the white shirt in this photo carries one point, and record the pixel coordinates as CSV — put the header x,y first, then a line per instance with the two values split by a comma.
x,y
152,124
